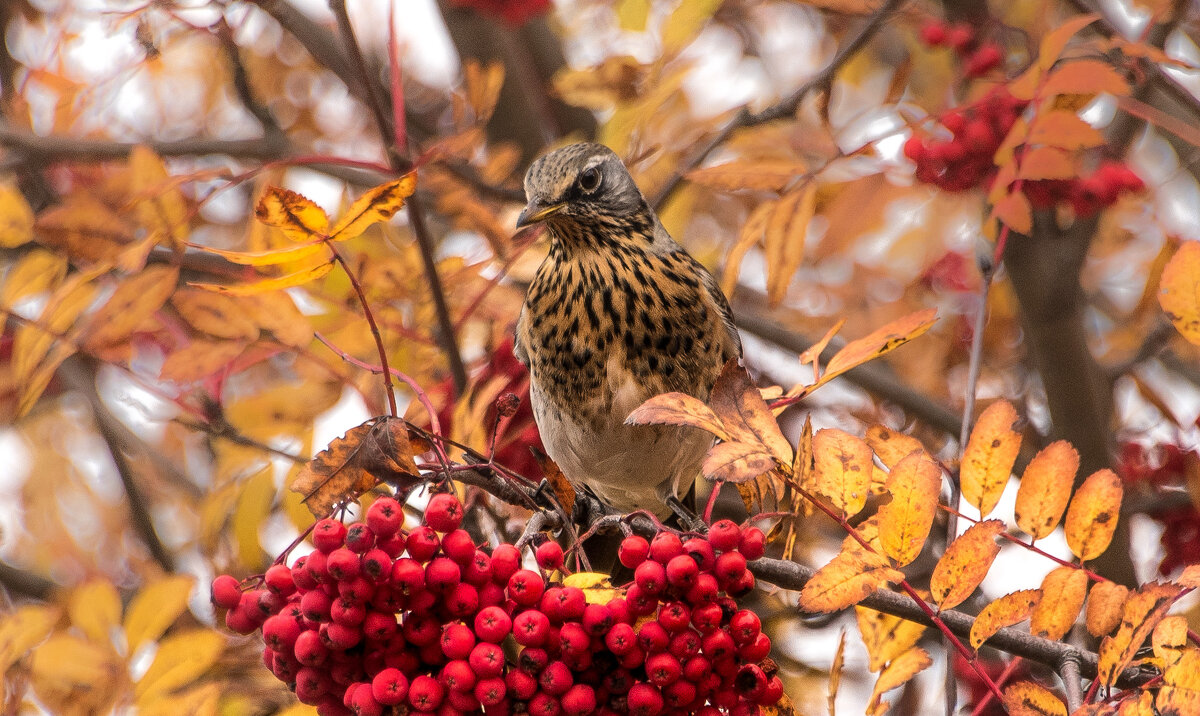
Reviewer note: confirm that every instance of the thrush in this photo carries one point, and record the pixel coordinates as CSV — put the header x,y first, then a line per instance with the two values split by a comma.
x,y
617,313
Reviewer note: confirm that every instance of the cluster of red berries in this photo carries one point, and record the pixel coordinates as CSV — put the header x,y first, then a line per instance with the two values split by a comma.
x,y
1086,195
966,160
378,617
979,58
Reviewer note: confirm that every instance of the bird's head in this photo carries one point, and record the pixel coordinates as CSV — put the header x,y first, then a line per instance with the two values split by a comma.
x,y
583,192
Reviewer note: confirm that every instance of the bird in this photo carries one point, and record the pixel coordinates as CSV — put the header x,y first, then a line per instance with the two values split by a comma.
x,y
617,313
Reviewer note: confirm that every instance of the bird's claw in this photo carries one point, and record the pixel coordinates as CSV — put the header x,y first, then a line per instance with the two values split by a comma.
x,y
688,520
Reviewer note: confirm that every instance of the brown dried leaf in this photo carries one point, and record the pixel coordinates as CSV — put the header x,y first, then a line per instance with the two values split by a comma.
x,y
847,580
886,636
1005,611
988,460
904,523
1093,514
736,401
843,469
736,462
1046,488
1063,592
563,489
1026,698
678,409
891,445
378,450
1104,606
1143,610
965,564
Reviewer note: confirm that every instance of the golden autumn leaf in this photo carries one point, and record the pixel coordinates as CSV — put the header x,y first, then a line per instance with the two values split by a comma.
x,y
297,216
1052,45
685,22
181,659
16,218
812,354
1104,605
272,257
22,629
277,314
1046,163
965,564
199,359
378,450
847,580
842,471
37,271
1170,639
879,342
1179,290
253,507
678,409
158,202
216,315
1026,698
376,204
1005,611
1063,592
65,662
1064,129
267,285
783,240
736,462
904,523
1093,514
765,174
483,85
988,459
597,586
1143,610
1190,577
135,300
899,671
891,445
1180,693
739,405
1046,488
1084,77
32,341
885,636
749,236
156,607
1015,212
95,609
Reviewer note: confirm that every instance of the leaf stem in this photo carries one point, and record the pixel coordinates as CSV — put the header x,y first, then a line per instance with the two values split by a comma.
x,y
362,299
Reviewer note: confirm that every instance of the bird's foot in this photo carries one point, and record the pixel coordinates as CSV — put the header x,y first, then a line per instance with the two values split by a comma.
x,y
688,520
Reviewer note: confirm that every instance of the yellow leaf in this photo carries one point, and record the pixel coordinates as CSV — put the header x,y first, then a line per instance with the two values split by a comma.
x,y
1003,612
783,241
277,313
207,699
66,662
842,469
33,386
1104,606
897,673
483,88
180,660
736,462
216,315
135,300
1046,488
375,205
1143,610
1093,514
95,609
1056,40
890,445
253,506
988,460
1179,290
155,608
678,409
1064,129
904,523
1170,640
273,257
886,636
632,14
16,218
1015,212
160,205
685,22
199,359
847,580
812,354
253,288
1046,163
37,271
879,342
748,238
22,629
297,216
1180,693
1026,698
1063,592
1085,77
965,564
765,174
597,587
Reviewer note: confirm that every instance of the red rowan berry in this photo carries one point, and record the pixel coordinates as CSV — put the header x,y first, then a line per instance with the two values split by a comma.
x,y
597,619
556,678
756,650
389,687
380,626
744,626
422,543
933,33
651,577
385,517
526,587
664,546
457,641
653,637
543,704
621,639
983,60
225,592
359,538
444,512
347,612
579,700
492,624
633,551
960,37
506,560
425,693
644,700
442,574
724,535
328,534
549,555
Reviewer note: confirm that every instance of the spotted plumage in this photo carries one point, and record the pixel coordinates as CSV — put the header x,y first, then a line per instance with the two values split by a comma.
x,y
617,313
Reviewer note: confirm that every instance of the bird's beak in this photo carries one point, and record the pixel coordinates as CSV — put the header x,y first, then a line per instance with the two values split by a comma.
x,y
535,212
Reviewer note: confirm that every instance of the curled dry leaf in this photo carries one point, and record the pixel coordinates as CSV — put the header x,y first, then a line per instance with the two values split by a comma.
x,y
1005,611
965,564
988,460
739,405
1093,514
1046,488
378,450
678,409
1063,592
1143,610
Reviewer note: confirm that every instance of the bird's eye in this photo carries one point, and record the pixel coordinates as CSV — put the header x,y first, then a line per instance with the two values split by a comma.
x,y
589,180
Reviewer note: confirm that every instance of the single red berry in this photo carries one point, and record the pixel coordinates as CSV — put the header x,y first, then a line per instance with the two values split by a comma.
x,y
506,560
533,660
444,512
462,601
491,691
487,659
425,693
651,577
358,589
280,633
460,702
421,629
309,650
773,692
983,60
750,681
682,571
574,640
543,704
442,574
704,590
674,616
744,626
316,567
684,645
457,675
225,592
526,587
376,565
359,538
278,580
422,543
328,534
645,700
347,612
363,702
579,700
730,567
478,569
521,684
707,617
556,678
742,586
342,636
633,551
664,546
493,624
385,516
408,576
310,685
379,625
640,602
752,544
756,650
717,645
621,639
679,694
724,535
343,564
457,641
458,546
653,637
389,687
663,669
507,404
933,33
315,605
549,555
597,619
531,627
960,37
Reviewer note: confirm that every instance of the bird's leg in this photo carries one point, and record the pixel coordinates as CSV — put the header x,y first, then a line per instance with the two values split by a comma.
x,y
687,519
544,496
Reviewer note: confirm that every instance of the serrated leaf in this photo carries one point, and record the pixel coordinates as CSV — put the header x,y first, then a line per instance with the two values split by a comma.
x,y
1179,290
678,409
1170,640
377,204
891,446
135,300
904,523
1026,698
749,237
965,564
988,460
739,405
1104,605
1063,592
1093,514
156,607
783,240
897,673
1005,611
160,206
886,636
847,580
297,216
1055,41
736,462
1046,488
37,271
1085,77
1143,610
266,285
16,218
95,609
181,659
378,450
842,471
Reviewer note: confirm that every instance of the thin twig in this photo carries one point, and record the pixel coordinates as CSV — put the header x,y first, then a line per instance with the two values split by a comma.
x,y
362,298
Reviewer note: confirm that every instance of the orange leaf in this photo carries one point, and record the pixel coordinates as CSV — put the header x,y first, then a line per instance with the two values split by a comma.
x,y
736,462
378,450
965,564
904,522
33,341
740,406
135,300
678,409
1180,693
1056,40
897,673
847,580
1046,163
37,271
272,257
771,175
885,636
199,359
1015,212
266,285
1026,698
277,313
1170,640
1046,488
783,241
890,445
1104,606
376,204
1005,611
1064,129
813,353
483,87
1143,610
748,238
988,460
1179,290
16,218
216,315
1190,577
1063,590
1093,514
1084,77
843,469
879,342
298,217
562,487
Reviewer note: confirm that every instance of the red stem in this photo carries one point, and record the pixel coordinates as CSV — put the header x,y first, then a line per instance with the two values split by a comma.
x,y
362,299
